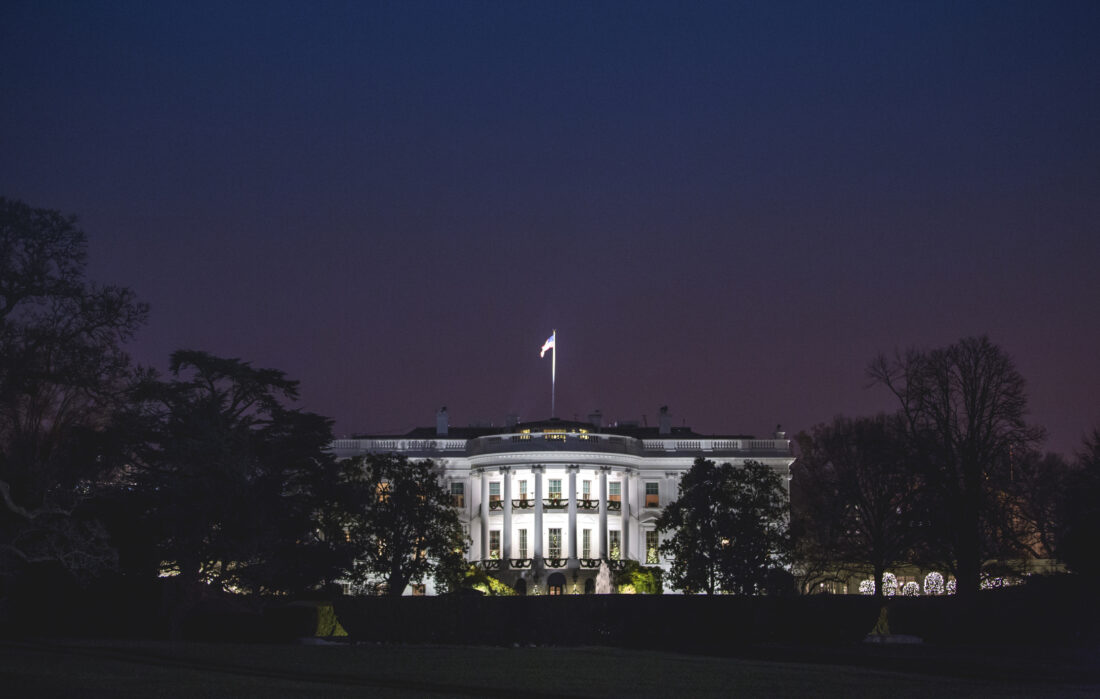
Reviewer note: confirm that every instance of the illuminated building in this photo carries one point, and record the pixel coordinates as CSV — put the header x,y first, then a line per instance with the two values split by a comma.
x,y
546,502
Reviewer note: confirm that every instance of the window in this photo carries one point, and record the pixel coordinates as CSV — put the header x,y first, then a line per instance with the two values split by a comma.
x,y
652,495
383,491
494,491
523,543
586,490
523,490
615,491
615,550
651,546
555,489
555,543
458,494
586,543
494,543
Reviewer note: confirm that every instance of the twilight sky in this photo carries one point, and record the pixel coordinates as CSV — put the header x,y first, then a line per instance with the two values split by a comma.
x,y
728,208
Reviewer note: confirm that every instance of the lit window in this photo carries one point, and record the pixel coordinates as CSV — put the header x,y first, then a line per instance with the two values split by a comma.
x,y
615,549
651,546
555,543
523,490
586,543
652,495
555,489
383,491
494,491
458,494
523,543
615,491
586,490
494,543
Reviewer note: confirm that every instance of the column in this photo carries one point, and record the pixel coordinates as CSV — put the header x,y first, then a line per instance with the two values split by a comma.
x,y
506,535
603,511
624,488
484,513
537,534
571,549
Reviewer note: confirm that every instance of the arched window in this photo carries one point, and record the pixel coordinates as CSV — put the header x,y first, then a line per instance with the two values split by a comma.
x,y
556,582
521,587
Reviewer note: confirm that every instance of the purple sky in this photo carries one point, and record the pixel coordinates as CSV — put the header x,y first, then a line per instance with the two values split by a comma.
x,y
728,208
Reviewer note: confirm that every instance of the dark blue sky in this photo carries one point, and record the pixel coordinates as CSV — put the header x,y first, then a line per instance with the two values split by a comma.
x,y
729,208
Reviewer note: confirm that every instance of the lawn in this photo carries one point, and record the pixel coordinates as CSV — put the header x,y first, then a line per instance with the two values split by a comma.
x,y
162,669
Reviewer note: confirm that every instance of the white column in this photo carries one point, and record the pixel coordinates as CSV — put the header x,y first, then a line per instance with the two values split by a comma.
x,y
537,534
484,514
624,489
603,511
506,535
571,549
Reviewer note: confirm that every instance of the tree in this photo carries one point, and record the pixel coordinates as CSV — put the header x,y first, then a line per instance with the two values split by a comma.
x,y
401,524
727,528
233,482
963,408
63,380
1080,531
858,507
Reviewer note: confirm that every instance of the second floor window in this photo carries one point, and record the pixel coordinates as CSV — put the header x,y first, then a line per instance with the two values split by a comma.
x,y
652,495
586,490
615,491
555,489
523,543
555,543
494,491
586,543
458,494
523,490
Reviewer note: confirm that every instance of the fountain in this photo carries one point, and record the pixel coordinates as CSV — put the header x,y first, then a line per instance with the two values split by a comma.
x,y
603,579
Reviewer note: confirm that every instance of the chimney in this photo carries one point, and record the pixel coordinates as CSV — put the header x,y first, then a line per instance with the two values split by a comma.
x,y
441,422
779,433
595,418
665,421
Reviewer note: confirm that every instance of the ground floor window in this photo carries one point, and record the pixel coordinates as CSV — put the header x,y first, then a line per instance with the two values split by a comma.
x,y
651,547
556,584
614,547
494,543
523,543
586,543
521,587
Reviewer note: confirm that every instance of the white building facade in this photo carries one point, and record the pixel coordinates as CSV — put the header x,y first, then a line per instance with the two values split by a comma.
x,y
545,502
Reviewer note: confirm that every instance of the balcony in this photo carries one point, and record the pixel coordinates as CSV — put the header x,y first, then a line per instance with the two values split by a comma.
x,y
520,563
554,441
590,562
554,504
614,506
491,564
496,504
588,504
555,562
523,504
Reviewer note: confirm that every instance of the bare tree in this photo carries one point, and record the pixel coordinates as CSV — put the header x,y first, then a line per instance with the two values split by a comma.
x,y
963,407
857,507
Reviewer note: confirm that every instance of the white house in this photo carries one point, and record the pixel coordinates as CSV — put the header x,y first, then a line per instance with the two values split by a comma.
x,y
545,502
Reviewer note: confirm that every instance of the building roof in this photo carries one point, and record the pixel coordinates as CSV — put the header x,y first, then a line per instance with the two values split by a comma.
x,y
554,424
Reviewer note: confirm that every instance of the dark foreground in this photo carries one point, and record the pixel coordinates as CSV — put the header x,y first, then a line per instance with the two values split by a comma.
x,y
163,669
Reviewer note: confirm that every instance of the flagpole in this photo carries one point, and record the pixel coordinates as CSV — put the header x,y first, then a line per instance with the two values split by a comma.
x,y
553,373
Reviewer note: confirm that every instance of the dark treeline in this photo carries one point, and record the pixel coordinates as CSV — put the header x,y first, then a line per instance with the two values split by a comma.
x,y
208,482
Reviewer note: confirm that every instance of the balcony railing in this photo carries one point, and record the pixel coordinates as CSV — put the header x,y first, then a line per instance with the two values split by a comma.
x,y
556,562
491,564
520,563
554,503
523,504
614,506
496,504
590,562
588,504
554,441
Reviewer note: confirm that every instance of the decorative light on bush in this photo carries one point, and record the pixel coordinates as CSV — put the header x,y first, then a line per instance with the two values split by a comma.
x,y
989,582
867,587
910,589
951,585
889,584
933,584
